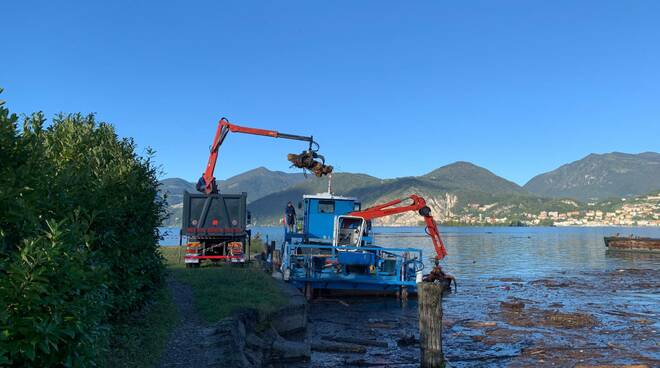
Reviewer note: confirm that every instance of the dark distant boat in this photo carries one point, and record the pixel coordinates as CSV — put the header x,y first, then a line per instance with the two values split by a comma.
x,y
632,243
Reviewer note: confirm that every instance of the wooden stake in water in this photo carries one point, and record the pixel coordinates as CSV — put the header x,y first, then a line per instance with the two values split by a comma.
x,y
429,296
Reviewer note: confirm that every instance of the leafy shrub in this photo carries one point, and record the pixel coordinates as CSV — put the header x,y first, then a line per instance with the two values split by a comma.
x,y
55,298
79,214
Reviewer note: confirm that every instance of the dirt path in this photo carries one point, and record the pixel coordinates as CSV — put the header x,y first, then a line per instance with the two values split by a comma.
x,y
183,347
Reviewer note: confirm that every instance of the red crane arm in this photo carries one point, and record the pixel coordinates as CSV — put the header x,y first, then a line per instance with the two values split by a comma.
x,y
206,183
418,204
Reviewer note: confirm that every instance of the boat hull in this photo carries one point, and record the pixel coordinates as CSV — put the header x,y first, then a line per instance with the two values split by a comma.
x,y
342,288
352,270
632,244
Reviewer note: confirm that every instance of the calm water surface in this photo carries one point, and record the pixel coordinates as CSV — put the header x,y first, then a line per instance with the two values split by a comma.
x,y
486,252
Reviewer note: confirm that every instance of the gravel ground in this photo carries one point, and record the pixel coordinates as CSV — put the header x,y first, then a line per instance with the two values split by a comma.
x,y
183,347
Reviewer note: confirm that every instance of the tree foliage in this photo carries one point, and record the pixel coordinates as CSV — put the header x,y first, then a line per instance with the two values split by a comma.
x,y
79,212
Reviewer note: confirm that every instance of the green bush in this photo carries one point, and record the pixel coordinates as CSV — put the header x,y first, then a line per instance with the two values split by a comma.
x,y
79,212
55,300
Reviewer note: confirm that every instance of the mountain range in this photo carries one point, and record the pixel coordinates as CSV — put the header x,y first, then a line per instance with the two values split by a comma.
x,y
257,183
453,191
597,177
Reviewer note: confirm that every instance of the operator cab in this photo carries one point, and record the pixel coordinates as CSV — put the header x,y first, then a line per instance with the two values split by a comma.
x,y
349,231
325,222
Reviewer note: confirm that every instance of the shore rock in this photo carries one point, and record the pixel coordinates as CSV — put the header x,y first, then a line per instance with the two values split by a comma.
x,y
241,341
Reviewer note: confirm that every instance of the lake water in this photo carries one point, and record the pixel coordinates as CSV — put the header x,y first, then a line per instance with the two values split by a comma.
x,y
485,252
581,303
561,276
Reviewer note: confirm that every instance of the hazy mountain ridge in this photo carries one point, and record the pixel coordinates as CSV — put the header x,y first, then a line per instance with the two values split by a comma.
x,y
257,183
466,175
459,192
260,182
600,176
174,188
449,191
268,210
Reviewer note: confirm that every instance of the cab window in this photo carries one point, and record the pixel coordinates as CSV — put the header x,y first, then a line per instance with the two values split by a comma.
x,y
327,206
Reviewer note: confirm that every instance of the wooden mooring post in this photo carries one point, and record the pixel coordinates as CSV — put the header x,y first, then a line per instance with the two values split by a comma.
x,y
429,299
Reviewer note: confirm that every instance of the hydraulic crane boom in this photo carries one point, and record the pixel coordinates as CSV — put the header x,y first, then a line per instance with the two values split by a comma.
x,y
207,184
418,204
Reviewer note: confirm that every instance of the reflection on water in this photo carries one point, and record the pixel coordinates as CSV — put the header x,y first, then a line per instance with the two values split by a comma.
x,y
476,252
512,252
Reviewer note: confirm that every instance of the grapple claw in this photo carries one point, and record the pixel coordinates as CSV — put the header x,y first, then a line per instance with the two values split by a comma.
x,y
307,160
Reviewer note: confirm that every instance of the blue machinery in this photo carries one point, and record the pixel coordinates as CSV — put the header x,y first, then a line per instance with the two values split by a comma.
x,y
335,251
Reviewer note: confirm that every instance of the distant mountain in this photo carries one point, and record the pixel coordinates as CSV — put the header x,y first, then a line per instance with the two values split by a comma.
x,y
468,176
457,193
268,209
600,176
257,183
260,182
451,190
174,188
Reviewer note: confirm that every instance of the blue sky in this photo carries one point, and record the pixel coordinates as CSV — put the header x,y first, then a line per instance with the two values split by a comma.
x,y
387,88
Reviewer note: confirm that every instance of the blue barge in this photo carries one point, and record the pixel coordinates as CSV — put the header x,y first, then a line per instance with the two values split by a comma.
x,y
332,250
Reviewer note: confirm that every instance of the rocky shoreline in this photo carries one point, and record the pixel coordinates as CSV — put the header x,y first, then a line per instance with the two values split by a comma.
x,y
249,339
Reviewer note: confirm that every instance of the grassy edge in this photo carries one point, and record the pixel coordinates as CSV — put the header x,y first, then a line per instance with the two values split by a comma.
x,y
219,291
140,339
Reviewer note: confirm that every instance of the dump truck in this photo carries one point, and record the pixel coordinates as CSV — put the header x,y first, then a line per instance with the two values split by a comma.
x,y
216,224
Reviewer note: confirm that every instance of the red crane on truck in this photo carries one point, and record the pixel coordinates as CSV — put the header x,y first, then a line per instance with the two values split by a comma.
x,y
306,160
216,223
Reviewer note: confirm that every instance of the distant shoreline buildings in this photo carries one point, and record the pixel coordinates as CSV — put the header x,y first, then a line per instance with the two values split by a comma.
x,y
639,211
